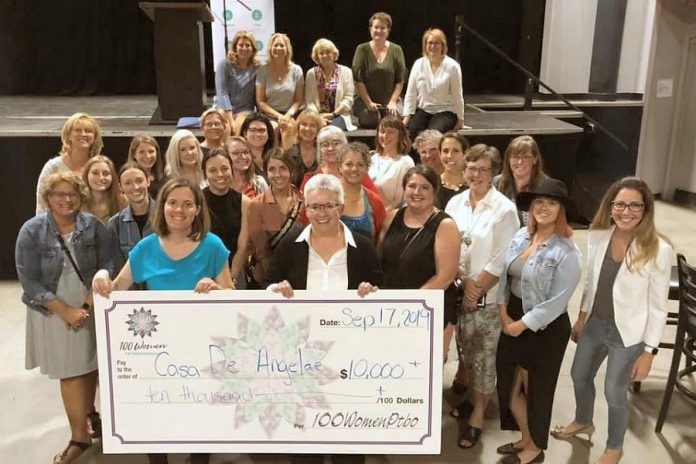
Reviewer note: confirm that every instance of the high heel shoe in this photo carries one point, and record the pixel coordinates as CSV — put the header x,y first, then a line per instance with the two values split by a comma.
x,y
560,432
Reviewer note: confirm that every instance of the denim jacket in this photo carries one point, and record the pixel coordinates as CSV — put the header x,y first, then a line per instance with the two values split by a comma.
x,y
124,230
549,277
40,258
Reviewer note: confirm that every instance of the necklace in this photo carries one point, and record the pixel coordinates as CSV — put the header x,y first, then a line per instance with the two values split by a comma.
x,y
449,186
470,227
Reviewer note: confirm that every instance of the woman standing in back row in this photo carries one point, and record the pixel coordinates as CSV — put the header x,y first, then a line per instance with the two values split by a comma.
x,y
623,309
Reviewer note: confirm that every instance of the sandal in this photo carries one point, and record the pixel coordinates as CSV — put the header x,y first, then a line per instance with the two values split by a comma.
x,y
63,458
462,410
95,424
459,388
468,433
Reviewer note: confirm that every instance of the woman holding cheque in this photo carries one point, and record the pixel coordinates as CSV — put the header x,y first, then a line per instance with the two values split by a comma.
x,y
542,269
181,254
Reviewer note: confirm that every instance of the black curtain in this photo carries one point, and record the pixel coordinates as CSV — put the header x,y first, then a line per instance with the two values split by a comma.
x,y
75,47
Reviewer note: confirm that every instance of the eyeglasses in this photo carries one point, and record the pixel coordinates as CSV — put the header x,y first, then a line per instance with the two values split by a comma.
x,y
521,157
473,170
328,207
634,206
240,153
213,124
66,195
257,130
331,143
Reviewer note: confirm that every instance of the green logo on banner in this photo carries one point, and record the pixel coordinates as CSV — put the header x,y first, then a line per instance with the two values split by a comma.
x,y
256,15
259,45
227,14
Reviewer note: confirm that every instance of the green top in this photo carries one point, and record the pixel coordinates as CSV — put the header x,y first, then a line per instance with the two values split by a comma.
x,y
379,78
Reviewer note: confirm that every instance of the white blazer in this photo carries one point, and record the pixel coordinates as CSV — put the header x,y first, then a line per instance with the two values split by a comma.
x,y
640,298
344,94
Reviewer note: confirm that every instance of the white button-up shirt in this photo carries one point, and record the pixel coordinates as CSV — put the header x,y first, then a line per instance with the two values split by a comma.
x,y
331,274
490,227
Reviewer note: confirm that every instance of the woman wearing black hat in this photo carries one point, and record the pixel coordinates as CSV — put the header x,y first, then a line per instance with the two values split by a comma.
x,y
542,268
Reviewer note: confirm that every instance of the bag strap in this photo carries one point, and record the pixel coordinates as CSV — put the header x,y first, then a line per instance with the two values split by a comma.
x,y
285,228
72,260
432,215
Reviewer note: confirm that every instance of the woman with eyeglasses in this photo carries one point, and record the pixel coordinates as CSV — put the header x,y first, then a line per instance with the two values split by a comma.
x,y
258,132
244,179
623,309
216,129
274,213
57,253
434,98
486,220
523,169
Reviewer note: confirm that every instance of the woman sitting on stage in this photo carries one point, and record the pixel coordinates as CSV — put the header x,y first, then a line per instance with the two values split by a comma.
x,y
274,213
420,248
184,157
542,268
623,309
244,179
133,222
523,169
434,98
329,86
280,86
57,253
258,132
81,139
379,71
304,150
180,255
235,80
363,210
228,208
103,197
427,146
453,146
391,161
145,152
216,129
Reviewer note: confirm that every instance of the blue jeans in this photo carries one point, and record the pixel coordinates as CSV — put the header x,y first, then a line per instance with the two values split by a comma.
x,y
599,340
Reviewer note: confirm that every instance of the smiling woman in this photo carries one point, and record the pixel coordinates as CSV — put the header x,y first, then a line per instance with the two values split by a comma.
x,y
103,198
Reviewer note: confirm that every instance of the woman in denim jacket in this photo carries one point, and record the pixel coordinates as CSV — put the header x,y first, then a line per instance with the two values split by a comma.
x,y
542,268
60,329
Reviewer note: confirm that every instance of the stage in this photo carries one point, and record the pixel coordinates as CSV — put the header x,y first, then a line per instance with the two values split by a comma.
x,y
30,134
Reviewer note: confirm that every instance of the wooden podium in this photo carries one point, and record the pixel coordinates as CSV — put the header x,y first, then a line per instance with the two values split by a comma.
x,y
179,58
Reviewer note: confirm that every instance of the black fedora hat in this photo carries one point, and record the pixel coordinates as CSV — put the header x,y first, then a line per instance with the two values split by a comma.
x,y
550,188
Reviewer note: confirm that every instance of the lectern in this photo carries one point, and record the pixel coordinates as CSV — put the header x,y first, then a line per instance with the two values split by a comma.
x,y
179,58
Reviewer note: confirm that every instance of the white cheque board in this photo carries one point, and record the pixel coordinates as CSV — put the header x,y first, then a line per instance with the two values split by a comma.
x,y
251,371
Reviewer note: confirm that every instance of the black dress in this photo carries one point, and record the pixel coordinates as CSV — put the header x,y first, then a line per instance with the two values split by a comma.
x,y
225,217
410,266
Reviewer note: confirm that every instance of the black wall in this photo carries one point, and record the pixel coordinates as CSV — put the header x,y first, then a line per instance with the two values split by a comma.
x,y
88,47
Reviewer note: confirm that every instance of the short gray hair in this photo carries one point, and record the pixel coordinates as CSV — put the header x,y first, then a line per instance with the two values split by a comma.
x,y
428,135
329,132
326,182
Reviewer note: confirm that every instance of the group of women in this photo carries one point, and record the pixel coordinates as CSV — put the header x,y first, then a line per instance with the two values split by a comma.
x,y
278,88
237,211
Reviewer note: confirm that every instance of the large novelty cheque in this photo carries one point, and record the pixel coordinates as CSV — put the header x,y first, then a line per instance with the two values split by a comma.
x,y
251,371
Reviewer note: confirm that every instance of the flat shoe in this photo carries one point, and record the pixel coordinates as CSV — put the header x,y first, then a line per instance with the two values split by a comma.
x,y
95,424
462,410
508,448
514,459
558,432
469,433
64,458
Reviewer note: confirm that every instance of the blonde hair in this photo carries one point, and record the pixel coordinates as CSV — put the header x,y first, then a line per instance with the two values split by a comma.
x,y
173,166
114,199
645,235
89,121
438,35
50,182
324,44
288,45
232,56
249,173
305,117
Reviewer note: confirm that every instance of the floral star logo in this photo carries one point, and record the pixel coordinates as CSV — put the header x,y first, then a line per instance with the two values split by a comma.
x,y
142,322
